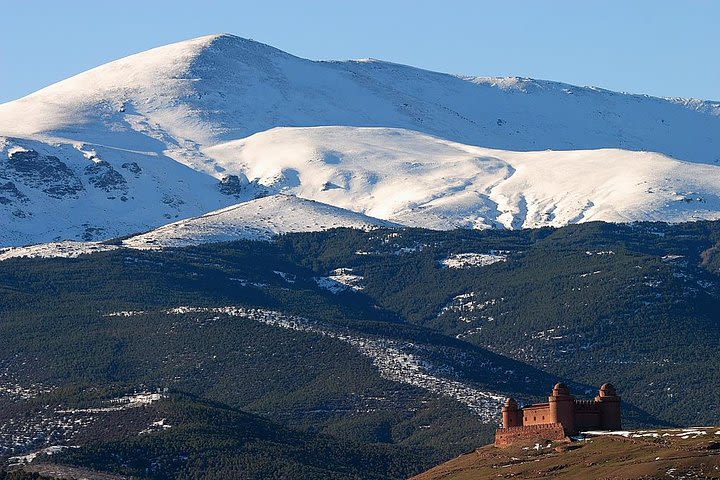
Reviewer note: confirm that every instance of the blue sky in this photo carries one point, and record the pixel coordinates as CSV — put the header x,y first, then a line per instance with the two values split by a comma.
x,y
656,47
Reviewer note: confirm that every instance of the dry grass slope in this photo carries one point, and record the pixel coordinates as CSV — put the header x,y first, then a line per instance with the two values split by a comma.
x,y
666,455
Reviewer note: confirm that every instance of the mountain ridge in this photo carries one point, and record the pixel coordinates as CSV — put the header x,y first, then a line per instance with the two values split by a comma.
x,y
155,137
204,58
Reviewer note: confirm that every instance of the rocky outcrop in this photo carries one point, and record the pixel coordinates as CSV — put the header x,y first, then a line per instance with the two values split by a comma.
x,y
232,185
9,194
102,175
45,172
132,167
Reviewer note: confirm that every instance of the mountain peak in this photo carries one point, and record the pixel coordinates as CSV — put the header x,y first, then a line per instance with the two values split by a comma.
x,y
168,126
234,42
222,87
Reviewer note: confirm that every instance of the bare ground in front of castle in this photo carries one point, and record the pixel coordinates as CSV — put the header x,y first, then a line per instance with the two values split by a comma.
x,y
659,455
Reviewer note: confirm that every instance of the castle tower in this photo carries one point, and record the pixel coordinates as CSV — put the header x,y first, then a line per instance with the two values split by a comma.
x,y
562,407
609,403
511,414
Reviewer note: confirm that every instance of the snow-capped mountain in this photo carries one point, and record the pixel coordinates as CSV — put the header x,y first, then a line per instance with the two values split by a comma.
x,y
259,219
53,191
419,180
189,128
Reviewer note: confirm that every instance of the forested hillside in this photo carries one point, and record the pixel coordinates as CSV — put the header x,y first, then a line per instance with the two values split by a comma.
x,y
635,304
386,350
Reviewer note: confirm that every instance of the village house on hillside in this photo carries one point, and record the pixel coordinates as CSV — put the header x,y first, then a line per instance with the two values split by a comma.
x,y
561,416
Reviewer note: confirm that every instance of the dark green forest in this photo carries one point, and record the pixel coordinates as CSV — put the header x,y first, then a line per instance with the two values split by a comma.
x,y
633,304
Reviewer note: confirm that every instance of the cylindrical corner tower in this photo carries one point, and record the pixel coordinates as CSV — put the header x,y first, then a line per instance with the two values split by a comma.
x,y
562,408
609,403
511,414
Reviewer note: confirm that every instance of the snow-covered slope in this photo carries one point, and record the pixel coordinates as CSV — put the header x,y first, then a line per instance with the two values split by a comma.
x,y
259,219
418,180
66,249
60,191
176,131
221,87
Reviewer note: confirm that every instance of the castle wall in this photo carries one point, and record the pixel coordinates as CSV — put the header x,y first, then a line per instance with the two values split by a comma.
x,y
562,408
512,417
587,420
588,415
574,415
507,436
537,415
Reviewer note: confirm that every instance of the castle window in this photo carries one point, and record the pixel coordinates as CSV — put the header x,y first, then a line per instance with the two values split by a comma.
x,y
534,419
543,417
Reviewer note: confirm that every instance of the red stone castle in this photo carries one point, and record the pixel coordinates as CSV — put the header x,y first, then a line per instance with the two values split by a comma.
x,y
560,417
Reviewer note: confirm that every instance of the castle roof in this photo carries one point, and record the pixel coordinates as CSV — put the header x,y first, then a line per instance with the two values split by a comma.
x,y
560,389
607,390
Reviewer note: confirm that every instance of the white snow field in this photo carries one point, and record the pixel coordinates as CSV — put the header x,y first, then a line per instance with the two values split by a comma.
x,y
419,180
193,127
259,219
66,249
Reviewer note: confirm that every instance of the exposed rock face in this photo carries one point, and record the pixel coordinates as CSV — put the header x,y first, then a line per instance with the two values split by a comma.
x,y
133,167
92,233
45,172
102,175
9,194
232,185
330,186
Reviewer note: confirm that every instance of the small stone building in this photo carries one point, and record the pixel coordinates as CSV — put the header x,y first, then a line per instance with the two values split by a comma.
x,y
561,416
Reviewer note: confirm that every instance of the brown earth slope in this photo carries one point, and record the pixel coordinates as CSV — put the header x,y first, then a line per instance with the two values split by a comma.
x,y
692,453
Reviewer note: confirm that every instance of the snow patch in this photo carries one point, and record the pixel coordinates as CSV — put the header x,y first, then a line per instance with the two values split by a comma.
x,y
67,249
260,219
157,426
16,391
340,280
472,260
683,433
124,313
25,459
288,277
122,403
469,308
396,361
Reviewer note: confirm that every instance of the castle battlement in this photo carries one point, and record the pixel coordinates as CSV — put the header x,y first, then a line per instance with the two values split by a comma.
x,y
561,416
587,405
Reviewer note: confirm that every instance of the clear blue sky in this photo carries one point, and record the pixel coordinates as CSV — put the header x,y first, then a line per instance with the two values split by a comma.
x,y
665,48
